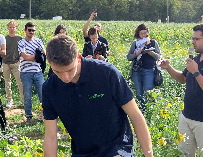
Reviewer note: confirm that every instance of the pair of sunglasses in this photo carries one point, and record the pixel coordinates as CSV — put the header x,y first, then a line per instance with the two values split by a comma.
x,y
31,30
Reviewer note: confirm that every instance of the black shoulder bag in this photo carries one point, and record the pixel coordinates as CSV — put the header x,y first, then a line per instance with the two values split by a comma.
x,y
158,78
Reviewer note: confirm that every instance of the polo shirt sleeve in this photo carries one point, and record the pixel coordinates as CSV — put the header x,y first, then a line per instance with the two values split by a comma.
x,y
120,90
48,109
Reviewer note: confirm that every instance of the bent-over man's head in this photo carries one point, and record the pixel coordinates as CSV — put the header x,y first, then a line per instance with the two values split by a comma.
x,y
62,54
61,50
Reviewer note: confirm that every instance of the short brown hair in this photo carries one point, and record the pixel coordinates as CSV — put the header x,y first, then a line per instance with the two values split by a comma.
x,y
12,22
61,50
29,24
198,28
93,31
139,28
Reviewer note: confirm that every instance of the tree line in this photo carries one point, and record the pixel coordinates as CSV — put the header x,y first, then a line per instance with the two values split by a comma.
x,y
127,10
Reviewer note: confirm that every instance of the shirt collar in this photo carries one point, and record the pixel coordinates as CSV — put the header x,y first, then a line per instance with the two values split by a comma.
x,y
94,45
84,75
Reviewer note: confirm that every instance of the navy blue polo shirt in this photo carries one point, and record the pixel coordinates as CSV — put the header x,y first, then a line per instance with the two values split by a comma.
x,y
193,100
101,38
91,110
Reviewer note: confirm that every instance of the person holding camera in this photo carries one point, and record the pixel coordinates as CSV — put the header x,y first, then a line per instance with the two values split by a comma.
x,y
30,71
143,53
94,48
99,27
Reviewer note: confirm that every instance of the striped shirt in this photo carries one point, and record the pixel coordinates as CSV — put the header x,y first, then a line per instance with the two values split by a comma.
x,y
29,47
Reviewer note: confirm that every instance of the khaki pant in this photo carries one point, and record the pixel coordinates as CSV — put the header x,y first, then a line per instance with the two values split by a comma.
x,y
15,68
194,136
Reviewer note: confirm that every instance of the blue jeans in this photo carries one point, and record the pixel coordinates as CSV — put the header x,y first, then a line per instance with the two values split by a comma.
x,y
28,79
143,80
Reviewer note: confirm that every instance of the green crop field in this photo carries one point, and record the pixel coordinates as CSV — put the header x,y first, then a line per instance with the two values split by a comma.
x,y
162,116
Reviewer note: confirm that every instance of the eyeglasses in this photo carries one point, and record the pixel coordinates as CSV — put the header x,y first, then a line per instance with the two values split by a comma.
x,y
195,39
144,33
31,30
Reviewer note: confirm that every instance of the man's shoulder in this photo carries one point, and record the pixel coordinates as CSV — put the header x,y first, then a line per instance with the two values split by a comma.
x,y
102,67
48,85
1,36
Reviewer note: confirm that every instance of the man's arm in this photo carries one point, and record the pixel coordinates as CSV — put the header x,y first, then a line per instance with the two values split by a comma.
x,y
50,139
177,75
27,57
85,32
140,127
3,50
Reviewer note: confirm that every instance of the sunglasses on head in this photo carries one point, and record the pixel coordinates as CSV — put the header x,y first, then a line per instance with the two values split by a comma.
x,y
31,30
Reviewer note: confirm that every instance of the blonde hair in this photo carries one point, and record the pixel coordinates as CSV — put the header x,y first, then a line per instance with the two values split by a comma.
x,y
12,22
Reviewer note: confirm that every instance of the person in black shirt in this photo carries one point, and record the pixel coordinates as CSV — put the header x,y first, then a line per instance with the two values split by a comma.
x,y
191,118
92,99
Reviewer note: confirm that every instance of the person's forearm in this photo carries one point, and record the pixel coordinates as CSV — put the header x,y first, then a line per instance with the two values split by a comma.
x,y
2,52
28,57
50,147
177,75
143,135
85,33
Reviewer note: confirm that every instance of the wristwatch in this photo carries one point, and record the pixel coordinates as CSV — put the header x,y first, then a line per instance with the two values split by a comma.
x,y
196,74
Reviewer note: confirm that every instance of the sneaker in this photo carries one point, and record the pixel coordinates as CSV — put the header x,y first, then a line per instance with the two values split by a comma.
x,y
9,104
29,120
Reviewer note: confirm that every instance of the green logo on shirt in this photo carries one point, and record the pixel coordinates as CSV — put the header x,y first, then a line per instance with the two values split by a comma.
x,y
95,96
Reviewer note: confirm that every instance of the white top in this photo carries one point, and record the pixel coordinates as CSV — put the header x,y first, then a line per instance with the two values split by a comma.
x,y
29,47
2,40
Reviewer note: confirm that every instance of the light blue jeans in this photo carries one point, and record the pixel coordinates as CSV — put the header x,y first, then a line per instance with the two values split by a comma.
x,y
28,79
143,80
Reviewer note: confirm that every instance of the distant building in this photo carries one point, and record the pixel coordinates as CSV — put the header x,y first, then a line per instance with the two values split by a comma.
x,y
57,18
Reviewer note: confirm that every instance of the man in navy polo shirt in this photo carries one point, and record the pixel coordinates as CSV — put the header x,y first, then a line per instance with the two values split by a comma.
x,y
99,27
93,101
191,118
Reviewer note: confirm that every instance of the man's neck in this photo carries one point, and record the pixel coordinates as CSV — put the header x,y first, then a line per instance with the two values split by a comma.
x,y
77,76
12,34
28,39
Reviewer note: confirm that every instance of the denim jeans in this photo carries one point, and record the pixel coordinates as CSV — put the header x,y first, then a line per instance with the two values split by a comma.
x,y
28,79
143,80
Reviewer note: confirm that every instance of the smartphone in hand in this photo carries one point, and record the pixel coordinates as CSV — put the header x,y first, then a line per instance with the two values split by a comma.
x,y
95,11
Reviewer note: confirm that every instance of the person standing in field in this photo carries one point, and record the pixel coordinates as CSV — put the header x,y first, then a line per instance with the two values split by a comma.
x,y
92,99
11,62
94,48
60,29
99,27
143,63
30,72
191,118
2,53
